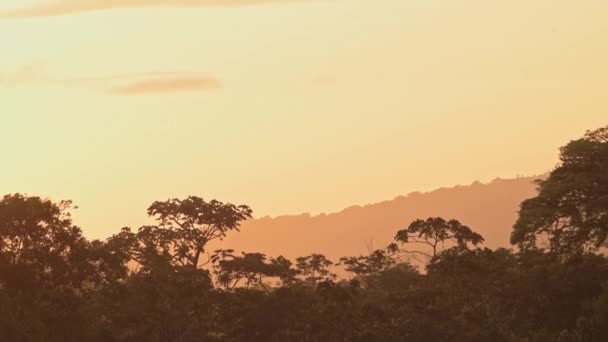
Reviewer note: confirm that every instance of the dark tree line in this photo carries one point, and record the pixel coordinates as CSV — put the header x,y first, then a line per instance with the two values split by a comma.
x,y
162,283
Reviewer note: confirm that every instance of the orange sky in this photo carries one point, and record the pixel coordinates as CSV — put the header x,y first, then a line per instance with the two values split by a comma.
x,y
288,106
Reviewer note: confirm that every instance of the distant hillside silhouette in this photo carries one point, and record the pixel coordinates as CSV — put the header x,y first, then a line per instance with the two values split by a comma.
x,y
490,209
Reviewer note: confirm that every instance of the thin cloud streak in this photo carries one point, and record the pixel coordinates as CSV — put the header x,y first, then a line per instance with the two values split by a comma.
x,y
23,74
64,7
124,76
168,85
124,84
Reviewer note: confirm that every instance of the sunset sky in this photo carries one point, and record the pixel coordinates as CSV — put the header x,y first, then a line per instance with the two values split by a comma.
x,y
288,106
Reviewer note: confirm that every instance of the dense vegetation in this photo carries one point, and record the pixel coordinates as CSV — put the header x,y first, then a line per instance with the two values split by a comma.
x,y
435,283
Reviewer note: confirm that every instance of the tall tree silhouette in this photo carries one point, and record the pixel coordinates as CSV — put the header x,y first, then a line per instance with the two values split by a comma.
x,y
48,271
432,236
184,229
366,265
314,268
252,268
571,209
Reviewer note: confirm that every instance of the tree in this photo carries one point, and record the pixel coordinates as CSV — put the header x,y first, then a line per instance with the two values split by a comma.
x,y
253,268
157,306
434,234
362,266
571,208
37,233
283,270
314,268
184,229
49,271
37,237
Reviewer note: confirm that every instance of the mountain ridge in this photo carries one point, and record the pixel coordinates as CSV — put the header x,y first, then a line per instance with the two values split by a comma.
x,y
489,208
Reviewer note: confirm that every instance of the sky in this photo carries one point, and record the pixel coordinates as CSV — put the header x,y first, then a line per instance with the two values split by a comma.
x,y
288,106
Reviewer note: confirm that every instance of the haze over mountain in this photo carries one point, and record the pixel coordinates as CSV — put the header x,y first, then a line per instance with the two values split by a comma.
x,y
490,209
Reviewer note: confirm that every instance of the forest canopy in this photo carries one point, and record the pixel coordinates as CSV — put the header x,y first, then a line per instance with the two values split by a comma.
x,y
436,282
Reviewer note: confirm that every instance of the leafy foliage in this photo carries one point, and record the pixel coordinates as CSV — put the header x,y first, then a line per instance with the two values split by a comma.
x,y
252,268
184,229
374,263
571,209
314,268
434,235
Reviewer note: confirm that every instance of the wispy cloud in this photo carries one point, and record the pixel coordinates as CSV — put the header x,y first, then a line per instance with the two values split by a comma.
x,y
123,84
177,83
50,8
23,74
